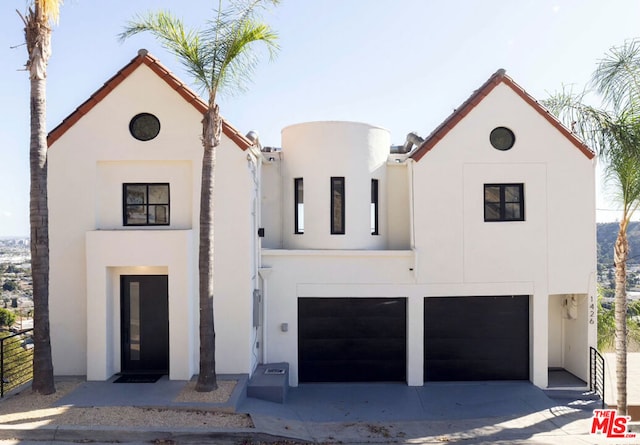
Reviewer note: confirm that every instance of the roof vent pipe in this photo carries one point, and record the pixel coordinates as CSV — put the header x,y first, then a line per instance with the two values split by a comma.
x,y
412,139
252,136
255,140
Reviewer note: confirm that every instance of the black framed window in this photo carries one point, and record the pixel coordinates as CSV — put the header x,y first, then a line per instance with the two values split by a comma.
x,y
337,206
298,192
374,207
503,202
145,204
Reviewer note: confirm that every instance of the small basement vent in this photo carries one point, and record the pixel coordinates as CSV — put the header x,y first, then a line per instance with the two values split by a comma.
x,y
274,371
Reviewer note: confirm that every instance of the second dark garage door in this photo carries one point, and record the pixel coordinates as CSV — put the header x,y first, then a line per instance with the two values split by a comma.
x,y
476,338
352,339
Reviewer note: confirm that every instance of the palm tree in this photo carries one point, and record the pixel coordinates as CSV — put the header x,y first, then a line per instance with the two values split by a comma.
x,y
37,31
218,57
614,132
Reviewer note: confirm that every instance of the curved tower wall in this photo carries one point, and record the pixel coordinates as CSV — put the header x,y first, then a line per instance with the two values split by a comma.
x,y
318,151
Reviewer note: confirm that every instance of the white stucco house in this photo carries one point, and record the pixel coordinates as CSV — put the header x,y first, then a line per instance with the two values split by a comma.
x,y
467,255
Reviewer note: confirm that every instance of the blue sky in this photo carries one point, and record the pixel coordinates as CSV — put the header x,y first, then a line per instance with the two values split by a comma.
x,y
401,64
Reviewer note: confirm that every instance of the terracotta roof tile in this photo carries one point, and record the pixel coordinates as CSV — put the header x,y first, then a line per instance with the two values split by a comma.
x,y
464,109
145,58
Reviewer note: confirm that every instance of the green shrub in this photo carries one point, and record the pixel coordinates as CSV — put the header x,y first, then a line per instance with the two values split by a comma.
x,y
7,318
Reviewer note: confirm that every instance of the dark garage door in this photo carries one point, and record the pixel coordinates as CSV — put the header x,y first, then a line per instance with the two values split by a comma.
x,y
476,338
352,339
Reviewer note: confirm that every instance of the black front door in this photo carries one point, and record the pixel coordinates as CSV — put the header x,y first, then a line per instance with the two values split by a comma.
x,y
145,323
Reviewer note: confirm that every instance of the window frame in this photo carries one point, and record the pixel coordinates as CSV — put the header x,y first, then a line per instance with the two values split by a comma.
x,y
497,141
375,206
146,204
337,184
298,199
502,202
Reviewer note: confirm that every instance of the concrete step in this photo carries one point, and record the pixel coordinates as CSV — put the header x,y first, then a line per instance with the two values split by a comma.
x,y
269,382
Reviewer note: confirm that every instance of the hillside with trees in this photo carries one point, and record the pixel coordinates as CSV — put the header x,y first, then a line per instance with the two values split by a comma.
x,y
607,232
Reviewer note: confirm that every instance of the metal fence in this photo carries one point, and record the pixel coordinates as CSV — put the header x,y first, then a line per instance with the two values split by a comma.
x,y
16,360
596,373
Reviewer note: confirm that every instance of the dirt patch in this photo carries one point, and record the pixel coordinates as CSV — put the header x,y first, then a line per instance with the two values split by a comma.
x,y
145,417
28,407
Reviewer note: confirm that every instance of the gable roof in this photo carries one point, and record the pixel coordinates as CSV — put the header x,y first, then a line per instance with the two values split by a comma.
x,y
144,58
495,80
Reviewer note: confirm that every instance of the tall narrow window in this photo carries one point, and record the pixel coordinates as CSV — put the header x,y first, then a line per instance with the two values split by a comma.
x,y
337,205
504,202
134,321
374,207
298,191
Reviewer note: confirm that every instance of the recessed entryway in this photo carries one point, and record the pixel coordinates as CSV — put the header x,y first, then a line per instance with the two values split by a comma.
x,y
568,349
352,339
476,338
144,323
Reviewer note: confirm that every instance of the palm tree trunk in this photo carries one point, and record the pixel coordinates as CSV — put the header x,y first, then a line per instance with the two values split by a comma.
x,y
211,131
620,255
38,37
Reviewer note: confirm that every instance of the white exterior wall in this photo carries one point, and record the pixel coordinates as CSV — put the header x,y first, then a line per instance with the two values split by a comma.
x,y
398,196
435,207
552,250
272,207
180,174
318,264
128,252
556,332
235,267
289,274
433,240
292,274
317,151
90,247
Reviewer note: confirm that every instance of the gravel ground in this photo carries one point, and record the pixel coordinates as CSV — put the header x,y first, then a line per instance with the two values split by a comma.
x,y
220,395
29,407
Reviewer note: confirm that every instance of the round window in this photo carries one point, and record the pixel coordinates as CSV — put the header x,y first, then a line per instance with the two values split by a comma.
x,y
502,138
144,126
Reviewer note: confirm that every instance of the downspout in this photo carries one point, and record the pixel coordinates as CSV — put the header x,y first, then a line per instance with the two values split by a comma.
x,y
256,153
413,140
412,230
264,274
263,294
404,153
282,198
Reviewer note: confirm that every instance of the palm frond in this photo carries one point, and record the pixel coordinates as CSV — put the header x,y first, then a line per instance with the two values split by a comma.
x,y
220,57
623,161
238,58
174,36
49,9
617,76
615,137
587,122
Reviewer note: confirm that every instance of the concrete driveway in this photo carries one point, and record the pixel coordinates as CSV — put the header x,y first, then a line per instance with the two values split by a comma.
x,y
468,413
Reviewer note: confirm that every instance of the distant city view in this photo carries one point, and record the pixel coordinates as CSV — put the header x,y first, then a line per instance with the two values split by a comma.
x,y
16,286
